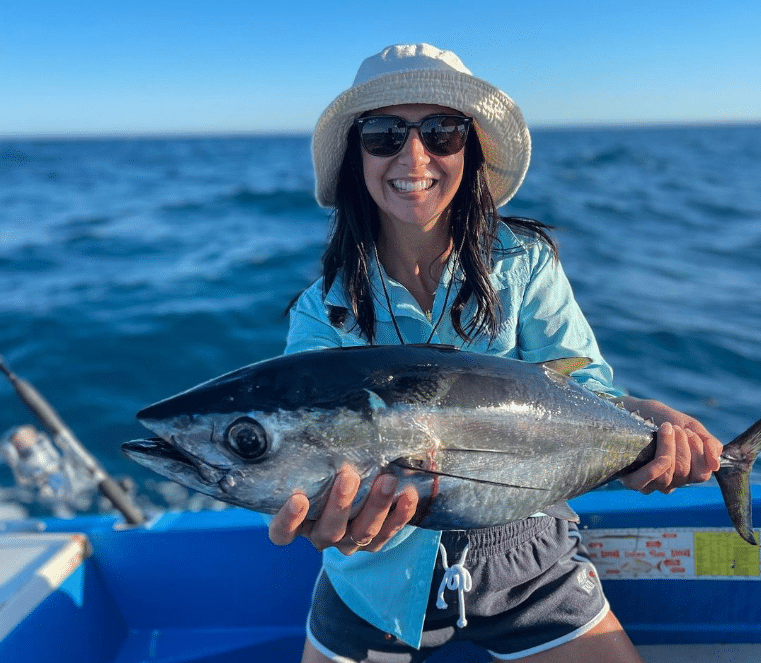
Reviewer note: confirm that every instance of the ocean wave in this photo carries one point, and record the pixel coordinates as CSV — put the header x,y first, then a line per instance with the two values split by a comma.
x,y
275,203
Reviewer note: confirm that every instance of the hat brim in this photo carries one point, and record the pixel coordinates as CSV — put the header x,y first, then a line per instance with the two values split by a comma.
x,y
500,126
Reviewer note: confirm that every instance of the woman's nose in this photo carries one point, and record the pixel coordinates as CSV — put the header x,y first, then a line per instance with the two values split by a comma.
x,y
413,149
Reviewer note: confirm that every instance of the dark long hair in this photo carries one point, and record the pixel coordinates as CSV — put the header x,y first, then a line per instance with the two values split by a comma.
x,y
473,228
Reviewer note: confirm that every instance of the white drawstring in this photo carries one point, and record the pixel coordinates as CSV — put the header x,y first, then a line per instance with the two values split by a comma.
x,y
455,577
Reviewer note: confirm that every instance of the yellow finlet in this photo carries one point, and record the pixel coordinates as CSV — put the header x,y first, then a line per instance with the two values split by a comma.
x,y
567,365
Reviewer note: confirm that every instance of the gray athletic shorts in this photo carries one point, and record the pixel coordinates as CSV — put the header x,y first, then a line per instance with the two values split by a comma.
x,y
533,589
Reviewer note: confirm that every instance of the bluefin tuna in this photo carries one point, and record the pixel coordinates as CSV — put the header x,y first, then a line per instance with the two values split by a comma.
x,y
485,440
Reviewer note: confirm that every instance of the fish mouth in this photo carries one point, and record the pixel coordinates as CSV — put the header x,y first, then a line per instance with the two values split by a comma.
x,y
167,459
155,447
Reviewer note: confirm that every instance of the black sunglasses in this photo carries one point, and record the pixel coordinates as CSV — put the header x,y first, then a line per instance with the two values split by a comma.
x,y
385,135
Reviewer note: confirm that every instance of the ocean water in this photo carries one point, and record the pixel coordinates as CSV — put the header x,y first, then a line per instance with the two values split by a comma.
x,y
131,269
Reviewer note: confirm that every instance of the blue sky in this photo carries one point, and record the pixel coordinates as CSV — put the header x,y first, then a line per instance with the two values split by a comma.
x,y
107,66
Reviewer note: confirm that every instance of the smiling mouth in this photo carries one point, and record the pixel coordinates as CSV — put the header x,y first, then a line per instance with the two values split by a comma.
x,y
412,186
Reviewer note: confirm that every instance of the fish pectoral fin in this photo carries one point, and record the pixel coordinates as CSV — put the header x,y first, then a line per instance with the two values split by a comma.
x,y
418,465
561,510
566,365
375,403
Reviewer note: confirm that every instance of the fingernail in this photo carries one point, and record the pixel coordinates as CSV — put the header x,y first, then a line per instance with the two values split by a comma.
x,y
294,507
345,484
388,485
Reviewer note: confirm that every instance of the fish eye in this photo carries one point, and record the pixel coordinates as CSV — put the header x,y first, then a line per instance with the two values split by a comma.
x,y
246,438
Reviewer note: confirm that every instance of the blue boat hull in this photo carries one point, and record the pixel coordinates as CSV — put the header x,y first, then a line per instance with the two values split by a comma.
x,y
209,587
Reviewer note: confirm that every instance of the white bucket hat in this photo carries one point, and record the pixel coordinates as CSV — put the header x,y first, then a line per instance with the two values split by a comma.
x,y
424,74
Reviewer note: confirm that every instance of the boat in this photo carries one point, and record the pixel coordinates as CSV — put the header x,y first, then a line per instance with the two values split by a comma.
x,y
208,586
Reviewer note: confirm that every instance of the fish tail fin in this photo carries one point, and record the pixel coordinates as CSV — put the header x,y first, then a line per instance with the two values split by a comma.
x,y
734,479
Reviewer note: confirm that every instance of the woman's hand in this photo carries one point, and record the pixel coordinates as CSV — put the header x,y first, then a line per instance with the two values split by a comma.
x,y
686,451
379,519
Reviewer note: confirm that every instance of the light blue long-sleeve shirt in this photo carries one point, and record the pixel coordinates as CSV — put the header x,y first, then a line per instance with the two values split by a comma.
x,y
540,320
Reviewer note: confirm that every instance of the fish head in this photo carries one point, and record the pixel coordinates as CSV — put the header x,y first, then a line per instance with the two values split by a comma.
x,y
255,436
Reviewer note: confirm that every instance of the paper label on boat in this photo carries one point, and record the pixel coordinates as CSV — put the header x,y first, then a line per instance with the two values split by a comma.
x,y
672,553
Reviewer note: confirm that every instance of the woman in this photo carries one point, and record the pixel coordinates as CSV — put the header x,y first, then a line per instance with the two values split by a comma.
x,y
415,158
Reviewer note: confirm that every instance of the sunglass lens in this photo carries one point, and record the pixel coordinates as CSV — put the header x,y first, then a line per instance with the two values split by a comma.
x,y
383,136
444,135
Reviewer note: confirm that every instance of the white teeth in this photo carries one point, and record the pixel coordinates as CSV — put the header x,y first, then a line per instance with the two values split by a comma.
x,y
407,186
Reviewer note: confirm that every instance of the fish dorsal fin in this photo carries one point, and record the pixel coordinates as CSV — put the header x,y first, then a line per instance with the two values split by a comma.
x,y
566,365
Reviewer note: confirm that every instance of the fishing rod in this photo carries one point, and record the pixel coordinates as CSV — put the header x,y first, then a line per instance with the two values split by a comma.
x,y
65,438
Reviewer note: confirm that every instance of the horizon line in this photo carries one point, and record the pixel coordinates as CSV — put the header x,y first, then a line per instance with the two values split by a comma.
x,y
190,134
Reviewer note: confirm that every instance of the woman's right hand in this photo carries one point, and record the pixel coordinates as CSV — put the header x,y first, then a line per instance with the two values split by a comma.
x,y
378,520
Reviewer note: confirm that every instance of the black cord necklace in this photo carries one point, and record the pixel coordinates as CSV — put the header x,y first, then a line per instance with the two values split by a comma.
x,y
388,299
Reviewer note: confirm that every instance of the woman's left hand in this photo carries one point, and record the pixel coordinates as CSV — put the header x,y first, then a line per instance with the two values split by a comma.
x,y
686,451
